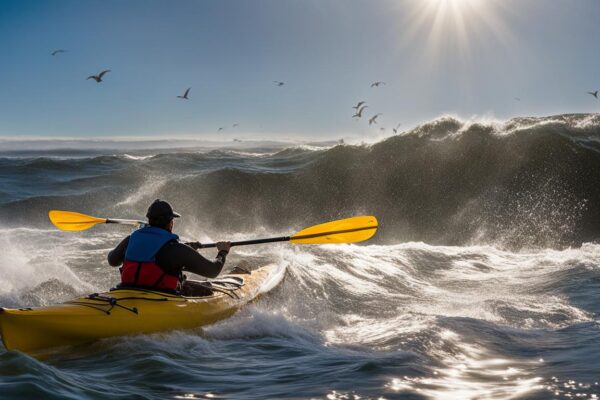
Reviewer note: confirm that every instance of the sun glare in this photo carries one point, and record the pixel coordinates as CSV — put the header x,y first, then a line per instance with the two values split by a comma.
x,y
455,4
448,1
454,24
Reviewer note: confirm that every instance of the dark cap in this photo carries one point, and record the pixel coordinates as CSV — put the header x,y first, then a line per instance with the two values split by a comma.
x,y
159,209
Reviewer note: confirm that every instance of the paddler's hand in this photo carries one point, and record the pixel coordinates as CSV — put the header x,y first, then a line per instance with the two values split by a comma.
x,y
224,246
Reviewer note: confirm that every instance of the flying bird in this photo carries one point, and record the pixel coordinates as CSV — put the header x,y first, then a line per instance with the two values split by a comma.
x,y
396,128
376,84
55,52
279,83
373,119
359,112
98,78
360,103
220,129
185,95
236,125
517,98
595,94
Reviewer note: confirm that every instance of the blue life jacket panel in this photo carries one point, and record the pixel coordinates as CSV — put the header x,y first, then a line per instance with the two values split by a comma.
x,y
146,242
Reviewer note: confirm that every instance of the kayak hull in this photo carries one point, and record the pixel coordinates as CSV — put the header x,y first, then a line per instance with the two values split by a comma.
x,y
124,312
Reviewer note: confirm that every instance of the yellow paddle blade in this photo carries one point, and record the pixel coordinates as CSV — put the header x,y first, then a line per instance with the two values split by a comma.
x,y
72,221
349,230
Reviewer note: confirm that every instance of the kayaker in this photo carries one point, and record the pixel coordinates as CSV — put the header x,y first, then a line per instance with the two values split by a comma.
x,y
153,257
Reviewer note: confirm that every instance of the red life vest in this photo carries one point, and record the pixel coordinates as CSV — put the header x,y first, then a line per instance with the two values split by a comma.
x,y
140,268
147,275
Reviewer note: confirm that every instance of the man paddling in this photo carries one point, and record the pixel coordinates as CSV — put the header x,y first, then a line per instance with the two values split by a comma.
x,y
153,257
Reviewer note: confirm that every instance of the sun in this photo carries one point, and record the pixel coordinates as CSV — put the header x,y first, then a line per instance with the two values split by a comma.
x,y
449,1
454,24
455,5
445,41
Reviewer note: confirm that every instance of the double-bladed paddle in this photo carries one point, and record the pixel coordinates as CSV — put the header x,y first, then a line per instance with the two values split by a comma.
x,y
348,230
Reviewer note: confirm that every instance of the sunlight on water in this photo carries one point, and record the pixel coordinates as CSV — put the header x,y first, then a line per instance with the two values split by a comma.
x,y
570,389
471,373
194,396
335,395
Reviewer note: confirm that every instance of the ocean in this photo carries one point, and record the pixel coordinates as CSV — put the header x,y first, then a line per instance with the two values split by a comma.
x,y
482,282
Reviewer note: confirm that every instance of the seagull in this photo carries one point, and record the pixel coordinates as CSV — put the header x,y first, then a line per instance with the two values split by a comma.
x,y
279,83
236,125
360,103
382,129
98,78
595,94
376,84
220,129
359,112
396,128
517,98
55,52
373,119
236,140
185,95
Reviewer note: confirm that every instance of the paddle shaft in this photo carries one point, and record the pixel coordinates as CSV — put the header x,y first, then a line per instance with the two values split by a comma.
x,y
124,221
288,238
247,242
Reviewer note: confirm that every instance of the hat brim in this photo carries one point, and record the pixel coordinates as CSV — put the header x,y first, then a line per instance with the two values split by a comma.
x,y
176,215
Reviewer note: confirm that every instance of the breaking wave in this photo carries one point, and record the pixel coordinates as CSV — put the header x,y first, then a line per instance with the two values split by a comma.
x,y
526,182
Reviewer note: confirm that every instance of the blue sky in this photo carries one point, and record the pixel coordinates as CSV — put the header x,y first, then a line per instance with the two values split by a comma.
x,y
463,57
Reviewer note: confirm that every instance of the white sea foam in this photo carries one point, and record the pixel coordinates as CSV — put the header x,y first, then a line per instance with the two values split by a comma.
x,y
137,158
26,264
149,189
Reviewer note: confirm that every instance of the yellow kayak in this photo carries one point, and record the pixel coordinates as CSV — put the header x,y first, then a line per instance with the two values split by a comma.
x,y
129,311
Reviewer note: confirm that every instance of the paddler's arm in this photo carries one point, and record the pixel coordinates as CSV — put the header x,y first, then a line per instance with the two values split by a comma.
x,y
177,256
117,255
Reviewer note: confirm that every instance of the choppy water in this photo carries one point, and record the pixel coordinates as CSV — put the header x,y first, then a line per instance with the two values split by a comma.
x,y
483,282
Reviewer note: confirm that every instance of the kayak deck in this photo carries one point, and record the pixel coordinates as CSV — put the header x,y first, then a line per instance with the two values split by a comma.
x,y
123,312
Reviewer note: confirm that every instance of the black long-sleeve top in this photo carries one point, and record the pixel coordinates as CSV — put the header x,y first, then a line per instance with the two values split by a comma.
x,y
175,257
